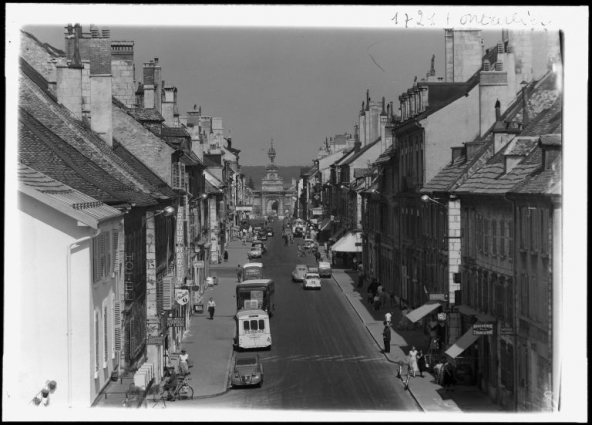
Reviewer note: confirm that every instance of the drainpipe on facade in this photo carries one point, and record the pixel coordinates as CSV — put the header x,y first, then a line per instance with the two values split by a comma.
x,y
69,308
557,305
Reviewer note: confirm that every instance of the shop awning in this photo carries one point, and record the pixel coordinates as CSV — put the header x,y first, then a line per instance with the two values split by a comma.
x,y
349,243
462,344
423,311
324,224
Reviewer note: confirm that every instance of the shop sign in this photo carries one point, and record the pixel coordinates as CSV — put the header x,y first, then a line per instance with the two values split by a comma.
x,y
442,316
317,211
155,340
176,322
198,264
182,296
506,331
483,329
452,309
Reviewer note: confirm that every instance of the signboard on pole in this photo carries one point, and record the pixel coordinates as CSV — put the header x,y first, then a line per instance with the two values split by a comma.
x,y
182,296
176,322
155,340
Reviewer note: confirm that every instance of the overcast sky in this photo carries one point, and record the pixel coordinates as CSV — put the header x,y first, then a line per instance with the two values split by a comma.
x,y
295,85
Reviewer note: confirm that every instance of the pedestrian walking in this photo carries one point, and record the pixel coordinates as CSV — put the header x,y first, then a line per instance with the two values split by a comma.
x,y
360,275
355,263
387,318
438,371
376,302
386,337
211,308
421,363
183,362
239,273
225,256
447,375
413,368
317,256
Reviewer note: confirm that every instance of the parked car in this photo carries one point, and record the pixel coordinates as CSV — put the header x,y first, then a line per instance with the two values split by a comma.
x,y
211,281
299,272
260,245
325,269
310,243
254,252
312,280
262,235
247,370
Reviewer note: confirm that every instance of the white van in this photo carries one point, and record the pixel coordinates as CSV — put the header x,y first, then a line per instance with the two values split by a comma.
x,y
252,329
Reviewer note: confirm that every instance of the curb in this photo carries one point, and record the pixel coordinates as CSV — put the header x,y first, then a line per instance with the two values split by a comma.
x,y
378,344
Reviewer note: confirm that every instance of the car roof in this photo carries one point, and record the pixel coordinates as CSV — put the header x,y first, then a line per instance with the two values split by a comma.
x,y
312,274
301,266
246,355
243,313
253,265
324,263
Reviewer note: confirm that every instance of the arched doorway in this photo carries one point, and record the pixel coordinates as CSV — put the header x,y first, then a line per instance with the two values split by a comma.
x,y
272,207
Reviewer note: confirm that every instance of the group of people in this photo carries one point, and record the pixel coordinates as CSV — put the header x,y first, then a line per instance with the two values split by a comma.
x,y
377,296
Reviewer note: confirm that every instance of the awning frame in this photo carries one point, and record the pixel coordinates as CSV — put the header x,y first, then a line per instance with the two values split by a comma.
x,y
462,344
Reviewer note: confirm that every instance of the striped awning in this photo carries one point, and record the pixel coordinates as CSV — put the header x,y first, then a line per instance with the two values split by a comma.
x,y
462,344
324,224
424,310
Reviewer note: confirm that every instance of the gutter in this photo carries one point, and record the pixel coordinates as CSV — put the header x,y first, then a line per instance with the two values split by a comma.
x,y
69,307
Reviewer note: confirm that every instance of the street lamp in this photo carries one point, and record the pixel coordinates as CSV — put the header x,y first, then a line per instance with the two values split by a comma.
x,y
426,198
168,211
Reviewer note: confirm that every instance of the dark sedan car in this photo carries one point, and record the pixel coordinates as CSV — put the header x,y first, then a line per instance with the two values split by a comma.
x,y
248,370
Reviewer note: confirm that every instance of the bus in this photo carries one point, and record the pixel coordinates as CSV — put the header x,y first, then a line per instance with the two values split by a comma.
x,y
256,294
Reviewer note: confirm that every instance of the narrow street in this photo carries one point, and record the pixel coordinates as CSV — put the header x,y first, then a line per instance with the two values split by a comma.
x,y
322,357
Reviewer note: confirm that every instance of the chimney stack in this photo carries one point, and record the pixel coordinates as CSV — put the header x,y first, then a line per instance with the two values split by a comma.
x,y
100,84
69,77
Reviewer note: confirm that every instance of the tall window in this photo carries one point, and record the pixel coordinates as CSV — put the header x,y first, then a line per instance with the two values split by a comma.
x,y
509,303
533,298
494,237
499,301
524,302
545,231
102,256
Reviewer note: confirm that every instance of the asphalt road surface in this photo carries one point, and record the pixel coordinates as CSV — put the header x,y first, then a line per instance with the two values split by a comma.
x,y
322,358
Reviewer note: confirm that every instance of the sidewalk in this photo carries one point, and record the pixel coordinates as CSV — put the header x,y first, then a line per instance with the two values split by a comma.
x,y
208,342
429,396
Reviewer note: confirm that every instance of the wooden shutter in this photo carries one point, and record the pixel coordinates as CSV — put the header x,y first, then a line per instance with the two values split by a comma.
x,y
168,291
511,239
116,251
117,329
101,238
96,262
494,237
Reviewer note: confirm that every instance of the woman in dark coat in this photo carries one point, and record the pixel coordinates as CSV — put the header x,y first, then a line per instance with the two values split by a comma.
x,y
421,363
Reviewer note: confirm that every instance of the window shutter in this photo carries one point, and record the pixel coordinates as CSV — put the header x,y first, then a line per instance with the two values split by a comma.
x,y
545,231
96,261
101,239
97,337
167,293
116,250
105,336
117,342
107,271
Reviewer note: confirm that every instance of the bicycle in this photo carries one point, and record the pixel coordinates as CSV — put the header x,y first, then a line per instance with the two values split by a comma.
x,y
182,391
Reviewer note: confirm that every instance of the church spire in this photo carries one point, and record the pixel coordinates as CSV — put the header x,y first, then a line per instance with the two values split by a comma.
x,y
271,152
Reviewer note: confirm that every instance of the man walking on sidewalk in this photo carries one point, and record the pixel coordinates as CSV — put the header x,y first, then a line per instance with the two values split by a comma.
x,y
211,308
239,273
386,337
